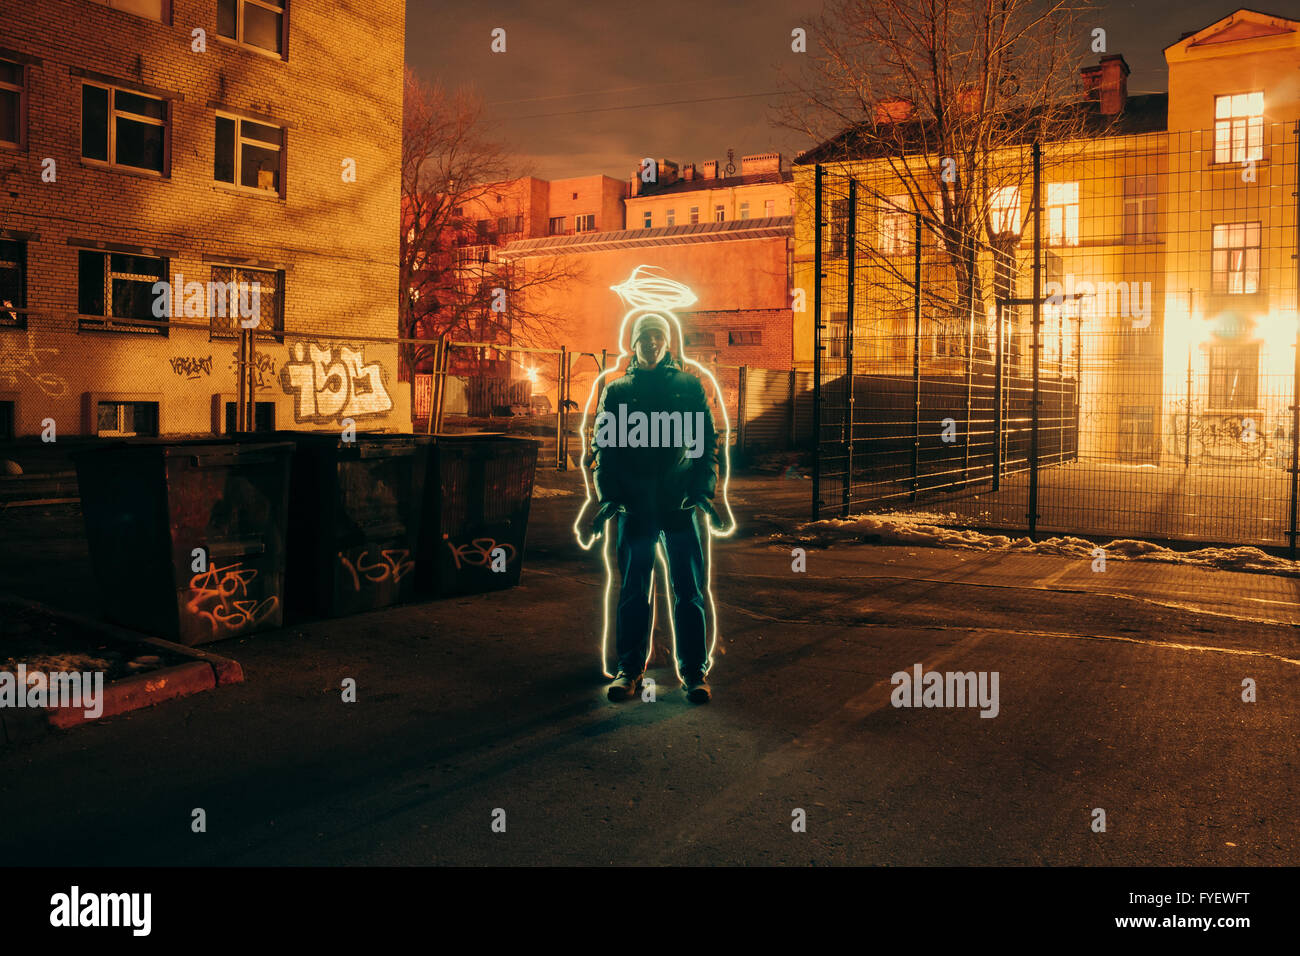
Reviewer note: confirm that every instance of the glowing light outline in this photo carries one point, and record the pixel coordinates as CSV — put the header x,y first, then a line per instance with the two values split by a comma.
x,y
645,303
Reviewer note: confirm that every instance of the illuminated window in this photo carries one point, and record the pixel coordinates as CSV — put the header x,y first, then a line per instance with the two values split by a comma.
x,y
257,23
695,215
1062,214
769,208
123,128
1140,209
895,226
125,419
1234,376
248,154
13,284
11,102
719,213
1239,127
116,286
585,223
1236,258
1004,211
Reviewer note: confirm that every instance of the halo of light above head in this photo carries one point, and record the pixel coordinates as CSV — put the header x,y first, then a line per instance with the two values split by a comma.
x,y
649,288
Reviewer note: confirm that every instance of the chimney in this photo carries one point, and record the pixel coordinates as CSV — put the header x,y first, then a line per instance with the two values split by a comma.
x,y
667,172
711,169
760,163
894,110
688,172
1107,84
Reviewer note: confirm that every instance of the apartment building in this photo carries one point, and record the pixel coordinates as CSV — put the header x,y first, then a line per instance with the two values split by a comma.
x,y
1169,233
199,143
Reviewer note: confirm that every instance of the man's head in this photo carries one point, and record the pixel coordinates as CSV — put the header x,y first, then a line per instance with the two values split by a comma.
x,y
650,339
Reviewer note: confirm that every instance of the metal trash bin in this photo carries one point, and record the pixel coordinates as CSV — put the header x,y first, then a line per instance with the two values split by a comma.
x,y
187,537
477,496
354,521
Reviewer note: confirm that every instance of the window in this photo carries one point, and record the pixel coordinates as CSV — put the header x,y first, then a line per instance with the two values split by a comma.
x,y
13,284
895,226
1140,209
263,416
115,286
719,213
708,339
123,128
1062,214
744,210
585,223
695,215
836,332
575,196
745,337
556,226
649,219
481,229
672,217
124,419
508,225
258,23
238,292
839,227
248,154
1236,258
769,208
11,103
1234,375
1239,127
153,9
1004,210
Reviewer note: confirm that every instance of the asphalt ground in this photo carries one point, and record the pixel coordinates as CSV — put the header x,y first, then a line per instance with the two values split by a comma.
x,y
1119,691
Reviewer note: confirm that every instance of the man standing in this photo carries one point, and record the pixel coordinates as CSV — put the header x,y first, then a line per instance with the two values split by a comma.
x,y
656,488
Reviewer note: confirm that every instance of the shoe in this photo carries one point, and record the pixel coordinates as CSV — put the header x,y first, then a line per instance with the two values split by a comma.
x,y
624,686
697,688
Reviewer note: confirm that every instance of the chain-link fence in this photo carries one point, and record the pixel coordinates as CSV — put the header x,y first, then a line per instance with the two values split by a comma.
x,y
1136,377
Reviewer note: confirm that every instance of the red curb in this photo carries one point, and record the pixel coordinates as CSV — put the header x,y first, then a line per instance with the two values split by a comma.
x,y
140,690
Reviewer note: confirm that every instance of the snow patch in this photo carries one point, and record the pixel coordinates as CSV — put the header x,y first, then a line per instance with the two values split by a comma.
x,y
935,530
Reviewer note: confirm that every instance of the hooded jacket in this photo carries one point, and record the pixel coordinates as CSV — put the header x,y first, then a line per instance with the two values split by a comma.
x,y
656,480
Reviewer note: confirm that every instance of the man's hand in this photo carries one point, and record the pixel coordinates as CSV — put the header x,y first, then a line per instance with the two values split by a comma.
x,y
705,505
595,524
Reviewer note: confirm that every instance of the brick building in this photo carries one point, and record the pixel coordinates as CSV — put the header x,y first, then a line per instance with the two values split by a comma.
x,y
198,142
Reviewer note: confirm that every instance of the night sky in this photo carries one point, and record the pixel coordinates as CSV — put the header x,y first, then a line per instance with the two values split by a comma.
x,y
579,88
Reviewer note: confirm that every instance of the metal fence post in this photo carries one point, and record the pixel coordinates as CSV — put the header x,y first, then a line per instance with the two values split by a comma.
x,y
1295,376
742,381
559,413
1037,323
817,344
848,347
916,355
998,424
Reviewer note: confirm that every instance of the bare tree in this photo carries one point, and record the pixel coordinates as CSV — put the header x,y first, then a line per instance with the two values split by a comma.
x,y
451,283
944,98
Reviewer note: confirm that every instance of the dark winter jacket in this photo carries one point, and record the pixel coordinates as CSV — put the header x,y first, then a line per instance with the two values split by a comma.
x,y
650,480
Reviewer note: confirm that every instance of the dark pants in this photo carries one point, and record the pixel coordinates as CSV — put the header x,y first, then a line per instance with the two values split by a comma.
x,y
637,537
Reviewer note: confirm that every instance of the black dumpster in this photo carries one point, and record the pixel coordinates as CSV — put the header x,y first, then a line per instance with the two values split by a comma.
x,y
187,537
475,513
354,520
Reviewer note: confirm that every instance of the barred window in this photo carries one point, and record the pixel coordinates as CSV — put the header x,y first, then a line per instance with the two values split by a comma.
x,y
13,284
236,291
1236,258
113,287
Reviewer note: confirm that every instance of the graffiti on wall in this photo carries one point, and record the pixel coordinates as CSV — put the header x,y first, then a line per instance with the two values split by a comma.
x,y
191,366
384,565
262,367
1222,437
333,383
19,366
